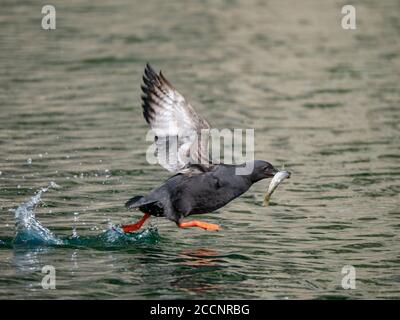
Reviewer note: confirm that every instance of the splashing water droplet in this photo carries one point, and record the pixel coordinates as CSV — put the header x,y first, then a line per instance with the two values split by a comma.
x,y
29,161
76,219
54,185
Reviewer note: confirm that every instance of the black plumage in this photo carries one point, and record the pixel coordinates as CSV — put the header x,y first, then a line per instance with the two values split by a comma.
x,y
185,194
199,186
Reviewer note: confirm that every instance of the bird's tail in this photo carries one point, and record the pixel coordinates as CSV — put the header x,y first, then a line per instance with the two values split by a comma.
x,y
134,202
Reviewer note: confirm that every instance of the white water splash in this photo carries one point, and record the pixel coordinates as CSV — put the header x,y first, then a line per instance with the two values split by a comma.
x,y
76,219
30,232
27,228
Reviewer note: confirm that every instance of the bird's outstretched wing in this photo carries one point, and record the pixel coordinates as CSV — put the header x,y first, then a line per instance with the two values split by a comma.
x,y
181,135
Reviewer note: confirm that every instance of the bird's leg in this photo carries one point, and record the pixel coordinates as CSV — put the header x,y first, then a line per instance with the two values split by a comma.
x,y
135,226
199,224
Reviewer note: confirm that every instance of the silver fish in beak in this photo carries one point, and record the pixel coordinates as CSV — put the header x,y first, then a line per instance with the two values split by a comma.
x,y
275,182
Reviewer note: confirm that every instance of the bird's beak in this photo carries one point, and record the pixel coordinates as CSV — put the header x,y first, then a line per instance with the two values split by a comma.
x,y
270,172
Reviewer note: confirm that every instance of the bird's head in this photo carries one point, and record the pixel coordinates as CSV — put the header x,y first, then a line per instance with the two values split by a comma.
x,y
262,170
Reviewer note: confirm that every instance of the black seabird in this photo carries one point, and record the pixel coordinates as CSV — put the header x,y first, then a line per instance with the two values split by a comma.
x,y
197,186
